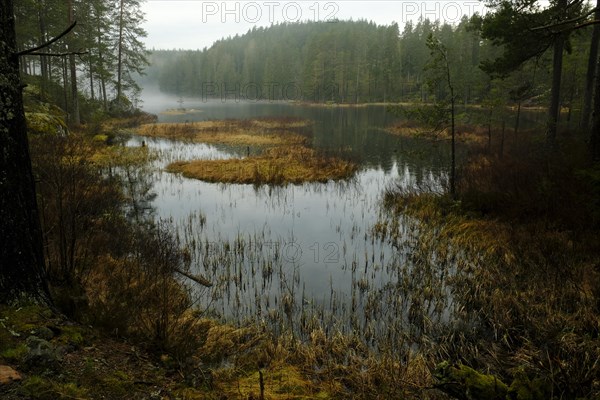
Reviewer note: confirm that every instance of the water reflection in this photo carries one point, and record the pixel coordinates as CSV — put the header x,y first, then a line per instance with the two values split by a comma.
x,y
301,256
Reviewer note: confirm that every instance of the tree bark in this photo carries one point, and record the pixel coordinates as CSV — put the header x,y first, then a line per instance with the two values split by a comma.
x,y
595,132
21,252
120,53
74,114
591,72
554,110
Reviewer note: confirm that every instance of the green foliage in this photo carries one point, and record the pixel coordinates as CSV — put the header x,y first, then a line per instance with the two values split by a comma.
x,y
518,28
110,35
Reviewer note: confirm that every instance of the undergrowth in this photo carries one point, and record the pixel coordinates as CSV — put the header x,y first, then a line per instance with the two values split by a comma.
x,y
521,246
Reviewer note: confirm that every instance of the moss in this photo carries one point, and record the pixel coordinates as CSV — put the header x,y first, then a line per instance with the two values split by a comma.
x,y
16,323
72,335
101,138
15,354
38,388
190,394
119,384
464,382
522,388
45,124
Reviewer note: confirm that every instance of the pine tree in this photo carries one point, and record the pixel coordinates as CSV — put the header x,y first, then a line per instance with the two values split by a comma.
x,y
21,253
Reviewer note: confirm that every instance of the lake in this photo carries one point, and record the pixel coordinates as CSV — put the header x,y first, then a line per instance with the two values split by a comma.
x,y
300,255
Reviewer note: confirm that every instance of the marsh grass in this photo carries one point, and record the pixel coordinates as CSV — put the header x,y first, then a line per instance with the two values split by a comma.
x,y
249,132
525,295
278,165
181,111
470,134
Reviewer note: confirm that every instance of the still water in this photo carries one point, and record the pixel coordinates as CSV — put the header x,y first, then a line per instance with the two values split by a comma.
x,y
299,254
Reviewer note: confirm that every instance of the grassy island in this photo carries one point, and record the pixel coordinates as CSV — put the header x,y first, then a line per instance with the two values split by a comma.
x,y
277,165
284,158
250,132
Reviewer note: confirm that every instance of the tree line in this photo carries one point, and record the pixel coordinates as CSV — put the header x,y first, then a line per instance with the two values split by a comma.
x,y
96,61
360,61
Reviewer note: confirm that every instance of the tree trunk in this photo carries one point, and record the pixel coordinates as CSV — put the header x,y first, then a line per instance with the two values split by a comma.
x,y
21,253
120,53
43,59
75,120
591,72
554,109
91,66
453,144
595,132
100,68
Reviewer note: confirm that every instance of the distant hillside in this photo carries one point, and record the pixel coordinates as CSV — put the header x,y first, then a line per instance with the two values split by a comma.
x,y
341,61
316,61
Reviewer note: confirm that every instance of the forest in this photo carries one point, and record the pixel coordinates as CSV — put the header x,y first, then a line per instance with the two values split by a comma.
x,y
314,210
359,61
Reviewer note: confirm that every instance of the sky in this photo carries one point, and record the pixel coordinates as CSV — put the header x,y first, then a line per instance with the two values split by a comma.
x,y
195,24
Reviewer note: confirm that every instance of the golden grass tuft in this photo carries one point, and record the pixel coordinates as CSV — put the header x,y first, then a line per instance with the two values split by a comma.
x,y
278,165
464,133
180,111
249,132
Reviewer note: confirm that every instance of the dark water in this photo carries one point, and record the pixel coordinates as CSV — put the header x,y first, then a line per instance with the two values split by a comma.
x,y
273,252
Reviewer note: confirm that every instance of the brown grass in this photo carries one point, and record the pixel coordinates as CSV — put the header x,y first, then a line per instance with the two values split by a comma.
x,y
180,111
279,165
258,132
524,241
464,133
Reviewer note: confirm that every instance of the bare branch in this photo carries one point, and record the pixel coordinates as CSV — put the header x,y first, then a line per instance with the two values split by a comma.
x,y
196,278
68,53
587,23
49,42
567,21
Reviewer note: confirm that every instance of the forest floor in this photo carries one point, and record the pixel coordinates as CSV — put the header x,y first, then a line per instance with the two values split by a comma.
x,y
44,355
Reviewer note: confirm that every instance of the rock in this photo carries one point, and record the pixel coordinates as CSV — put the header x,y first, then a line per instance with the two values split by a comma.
x,y
43,332
41,355
8,375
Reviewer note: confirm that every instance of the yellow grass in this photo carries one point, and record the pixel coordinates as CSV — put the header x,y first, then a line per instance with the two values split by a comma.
x,y
464,134
180,111
258,132
279,165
